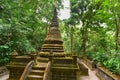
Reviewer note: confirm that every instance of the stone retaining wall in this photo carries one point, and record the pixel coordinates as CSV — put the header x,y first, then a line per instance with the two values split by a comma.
x,y
102,72
89,63
105,74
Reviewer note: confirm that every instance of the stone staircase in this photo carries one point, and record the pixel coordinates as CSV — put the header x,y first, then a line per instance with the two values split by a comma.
x,y
37,71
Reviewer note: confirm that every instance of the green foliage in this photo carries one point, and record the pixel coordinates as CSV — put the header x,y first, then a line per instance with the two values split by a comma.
x,y
23,25
14,37
95,24
110,60
113,64
91,29
4,54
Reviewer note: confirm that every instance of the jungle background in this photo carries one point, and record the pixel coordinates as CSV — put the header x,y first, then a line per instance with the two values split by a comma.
x,y
93,29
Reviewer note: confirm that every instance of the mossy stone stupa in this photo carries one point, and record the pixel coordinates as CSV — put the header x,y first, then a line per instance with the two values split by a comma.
x,y
62,66
53,41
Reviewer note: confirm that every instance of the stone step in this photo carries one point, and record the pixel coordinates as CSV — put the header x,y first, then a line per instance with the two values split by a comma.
x,y
52,45
41,59
34,77
38,68
48,50
55,54
18,63
63,68
63,60
24,59
64,65
53,50
37,72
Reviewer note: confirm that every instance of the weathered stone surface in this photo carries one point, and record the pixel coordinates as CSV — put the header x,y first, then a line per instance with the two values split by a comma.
x,y
15,71
17,65
64,69
53,41
102,72
4,73
105,74
83,69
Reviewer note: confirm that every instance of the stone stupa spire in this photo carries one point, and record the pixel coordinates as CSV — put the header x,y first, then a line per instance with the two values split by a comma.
x,y
53,41
54,36
54,22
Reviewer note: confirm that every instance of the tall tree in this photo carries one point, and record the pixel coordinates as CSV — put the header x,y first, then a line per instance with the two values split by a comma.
x,y
23,23
83,12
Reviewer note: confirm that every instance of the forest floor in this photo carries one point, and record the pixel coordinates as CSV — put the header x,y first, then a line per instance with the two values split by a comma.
x,y
91,75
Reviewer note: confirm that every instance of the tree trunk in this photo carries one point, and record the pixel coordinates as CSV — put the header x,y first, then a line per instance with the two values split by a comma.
x,y
117,33
71,40
84,39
